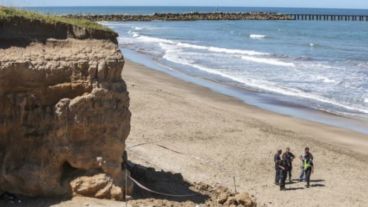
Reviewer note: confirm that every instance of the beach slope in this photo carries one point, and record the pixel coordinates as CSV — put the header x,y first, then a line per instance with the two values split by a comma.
x,y
206,136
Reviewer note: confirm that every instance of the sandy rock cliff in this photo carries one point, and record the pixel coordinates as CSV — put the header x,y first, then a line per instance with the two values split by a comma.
x,y
64,116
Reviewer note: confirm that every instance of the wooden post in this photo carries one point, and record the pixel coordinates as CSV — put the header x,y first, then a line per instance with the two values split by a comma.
x,y
126,187
234,184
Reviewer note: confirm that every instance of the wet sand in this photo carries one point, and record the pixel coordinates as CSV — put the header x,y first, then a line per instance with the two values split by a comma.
x,y
276,103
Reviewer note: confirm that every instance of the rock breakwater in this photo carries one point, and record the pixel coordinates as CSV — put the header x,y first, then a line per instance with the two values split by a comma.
x,y
185,16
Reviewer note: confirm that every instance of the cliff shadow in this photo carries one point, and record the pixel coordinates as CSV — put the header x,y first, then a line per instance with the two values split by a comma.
x,y
22,201
165,183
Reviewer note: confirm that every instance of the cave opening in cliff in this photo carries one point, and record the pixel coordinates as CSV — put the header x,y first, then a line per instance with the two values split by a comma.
x,y
69,172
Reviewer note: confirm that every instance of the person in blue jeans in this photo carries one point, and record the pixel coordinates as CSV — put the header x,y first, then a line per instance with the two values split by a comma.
x,y
289,157
283,169
277,161
301,177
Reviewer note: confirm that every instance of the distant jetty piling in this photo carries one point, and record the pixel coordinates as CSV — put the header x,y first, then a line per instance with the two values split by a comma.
x,y
328,17
213,16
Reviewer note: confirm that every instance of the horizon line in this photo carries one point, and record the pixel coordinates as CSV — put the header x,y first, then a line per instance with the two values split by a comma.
x,y
192,6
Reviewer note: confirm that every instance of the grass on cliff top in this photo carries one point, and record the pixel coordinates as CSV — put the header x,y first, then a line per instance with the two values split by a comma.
x,y
7,13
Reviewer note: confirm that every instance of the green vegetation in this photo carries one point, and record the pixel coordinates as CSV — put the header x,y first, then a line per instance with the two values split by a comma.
x,y
6,14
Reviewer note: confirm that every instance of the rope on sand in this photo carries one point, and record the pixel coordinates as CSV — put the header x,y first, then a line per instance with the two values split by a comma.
x,y
140,144
177,152
202,161
159,193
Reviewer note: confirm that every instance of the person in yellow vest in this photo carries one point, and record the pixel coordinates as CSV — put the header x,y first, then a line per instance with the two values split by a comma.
x,y
308,165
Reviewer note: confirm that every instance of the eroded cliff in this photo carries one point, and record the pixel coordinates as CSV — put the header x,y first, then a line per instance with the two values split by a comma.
x,y
64,114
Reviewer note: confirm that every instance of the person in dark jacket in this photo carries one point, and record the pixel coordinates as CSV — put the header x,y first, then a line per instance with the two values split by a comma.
x,y
283,169
308,165
289,159
277,160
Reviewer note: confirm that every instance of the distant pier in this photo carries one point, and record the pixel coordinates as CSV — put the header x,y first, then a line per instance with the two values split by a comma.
x,y
328,17
216,16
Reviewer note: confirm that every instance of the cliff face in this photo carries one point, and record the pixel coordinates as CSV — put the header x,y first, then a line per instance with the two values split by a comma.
x,y
64,116
19,24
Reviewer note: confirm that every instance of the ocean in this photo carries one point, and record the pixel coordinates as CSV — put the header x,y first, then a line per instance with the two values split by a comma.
x,y
185,9
318,65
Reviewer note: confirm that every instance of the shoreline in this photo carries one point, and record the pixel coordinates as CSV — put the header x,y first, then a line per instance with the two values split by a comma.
x,y
204,91
209,137
273,103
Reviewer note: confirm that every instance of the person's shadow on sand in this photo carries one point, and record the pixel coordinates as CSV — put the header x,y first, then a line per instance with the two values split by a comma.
x,y
317,183
292,188
314,183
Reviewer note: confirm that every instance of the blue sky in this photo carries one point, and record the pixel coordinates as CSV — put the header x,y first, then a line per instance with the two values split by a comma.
x,y
362,4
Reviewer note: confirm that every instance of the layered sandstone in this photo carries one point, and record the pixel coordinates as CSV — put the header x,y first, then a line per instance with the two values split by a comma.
x,y
64,115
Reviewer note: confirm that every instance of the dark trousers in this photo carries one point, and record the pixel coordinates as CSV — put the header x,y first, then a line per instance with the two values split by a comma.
x,y
289,173
302,174
283,174
308,173
277,176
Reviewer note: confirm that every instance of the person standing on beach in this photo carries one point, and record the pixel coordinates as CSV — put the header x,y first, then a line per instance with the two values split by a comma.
x,y
308,165
289,159
302,173
277,160
283,170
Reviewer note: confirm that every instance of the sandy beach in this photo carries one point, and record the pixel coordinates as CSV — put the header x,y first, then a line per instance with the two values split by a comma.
x,y
182,106
184,128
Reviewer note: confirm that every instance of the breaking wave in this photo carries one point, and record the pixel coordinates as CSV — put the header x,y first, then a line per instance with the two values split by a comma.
x,y
260,84
257,36
248,55
303,77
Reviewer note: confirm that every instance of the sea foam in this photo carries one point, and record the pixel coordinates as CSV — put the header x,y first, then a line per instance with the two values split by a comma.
x,y
173,55
257,36
249,55
256,69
